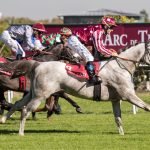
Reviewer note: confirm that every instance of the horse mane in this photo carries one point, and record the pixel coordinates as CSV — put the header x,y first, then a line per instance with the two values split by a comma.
x,y
19,67
128,46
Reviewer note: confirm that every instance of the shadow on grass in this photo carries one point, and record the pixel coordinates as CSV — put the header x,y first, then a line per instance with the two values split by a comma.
x,y
5,131
126,133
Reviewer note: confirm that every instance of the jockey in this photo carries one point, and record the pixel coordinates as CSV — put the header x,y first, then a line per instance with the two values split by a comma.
x,y
73,43
17,37
93,36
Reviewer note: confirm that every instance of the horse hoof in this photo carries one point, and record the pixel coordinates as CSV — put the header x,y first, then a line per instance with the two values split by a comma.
x,y
2,120
121,132
78,110
34,118
21,134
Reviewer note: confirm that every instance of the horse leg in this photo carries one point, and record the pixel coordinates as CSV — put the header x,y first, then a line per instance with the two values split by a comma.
x,y
31,107
17,106
132,98
4,105
50,105
117,115
23,118
73,103
56,106
33,113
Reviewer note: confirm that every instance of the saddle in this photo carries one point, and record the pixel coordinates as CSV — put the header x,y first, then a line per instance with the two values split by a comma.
x,y
79,71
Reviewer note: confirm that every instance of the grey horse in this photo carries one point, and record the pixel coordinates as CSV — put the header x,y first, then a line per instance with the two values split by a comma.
x,y
50,77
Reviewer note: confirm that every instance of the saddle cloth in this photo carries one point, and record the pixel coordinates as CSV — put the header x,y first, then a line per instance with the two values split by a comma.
x,y
3,60
79,71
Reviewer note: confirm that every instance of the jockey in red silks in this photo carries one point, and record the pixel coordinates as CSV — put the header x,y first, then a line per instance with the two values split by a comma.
x,y
18,37
92,35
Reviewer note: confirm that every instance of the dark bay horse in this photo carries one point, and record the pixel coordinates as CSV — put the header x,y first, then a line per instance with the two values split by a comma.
x,y
117,84
56,53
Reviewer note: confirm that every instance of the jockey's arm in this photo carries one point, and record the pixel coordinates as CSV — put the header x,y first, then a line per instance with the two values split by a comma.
x,y
38,45
114,53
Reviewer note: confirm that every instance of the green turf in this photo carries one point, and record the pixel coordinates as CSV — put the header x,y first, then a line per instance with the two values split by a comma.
x,y
93,130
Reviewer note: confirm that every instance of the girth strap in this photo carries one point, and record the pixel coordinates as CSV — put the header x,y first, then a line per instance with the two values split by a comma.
x,y
97,92
22,83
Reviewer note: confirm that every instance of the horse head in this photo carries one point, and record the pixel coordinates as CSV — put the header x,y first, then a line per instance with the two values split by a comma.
x,y
146,57
64,53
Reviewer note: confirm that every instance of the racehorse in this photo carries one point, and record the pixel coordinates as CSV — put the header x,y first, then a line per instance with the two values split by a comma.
x,y
50,77
55,53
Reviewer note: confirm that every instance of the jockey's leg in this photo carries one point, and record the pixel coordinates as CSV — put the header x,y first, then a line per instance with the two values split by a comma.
x,y
19,57
20,52
91,72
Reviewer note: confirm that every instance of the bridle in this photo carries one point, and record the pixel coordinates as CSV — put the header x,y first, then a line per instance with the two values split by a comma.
x,y
147,53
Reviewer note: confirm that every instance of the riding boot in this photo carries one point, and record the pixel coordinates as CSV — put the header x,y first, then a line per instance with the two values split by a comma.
x,y
19,57
93,79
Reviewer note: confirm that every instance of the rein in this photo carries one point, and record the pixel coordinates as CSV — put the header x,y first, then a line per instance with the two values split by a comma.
x,y
126,59
122,66
37,52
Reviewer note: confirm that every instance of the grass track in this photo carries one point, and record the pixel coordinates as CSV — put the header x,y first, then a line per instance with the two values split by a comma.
x,y
93,130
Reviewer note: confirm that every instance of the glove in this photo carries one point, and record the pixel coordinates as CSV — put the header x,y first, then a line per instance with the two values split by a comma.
x,y
114,54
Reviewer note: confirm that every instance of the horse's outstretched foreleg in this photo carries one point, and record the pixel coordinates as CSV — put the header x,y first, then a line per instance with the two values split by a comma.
x,y
117,115
132,98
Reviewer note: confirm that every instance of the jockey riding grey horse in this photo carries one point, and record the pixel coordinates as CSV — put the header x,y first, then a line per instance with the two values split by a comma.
x,y
50,77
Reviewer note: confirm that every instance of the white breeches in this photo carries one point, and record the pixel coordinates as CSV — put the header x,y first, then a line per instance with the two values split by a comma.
x,y
78,47
11,43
